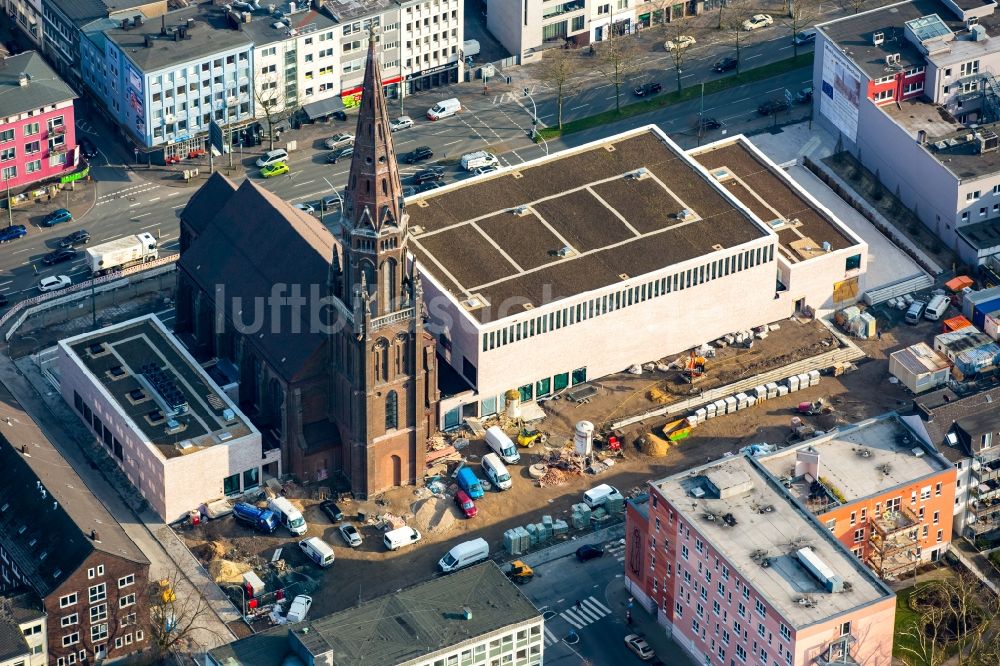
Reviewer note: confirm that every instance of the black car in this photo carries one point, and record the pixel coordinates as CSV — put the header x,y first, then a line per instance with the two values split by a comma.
x,y
331,510
429,185
726,64
709,124
589,552
88,148
339,115
772,107
647,89
418,154
428,174
59,256
339,154
79,237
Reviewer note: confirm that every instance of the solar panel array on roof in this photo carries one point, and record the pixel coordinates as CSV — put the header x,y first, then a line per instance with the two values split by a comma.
x,y
928,27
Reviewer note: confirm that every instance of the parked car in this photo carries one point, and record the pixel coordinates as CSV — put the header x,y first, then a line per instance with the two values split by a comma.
x,y
804,96
807,36
272,170
351,535
12,232
418,154
401,123
53,283
78,237
489,168
709,124
428,174
331,203
465,504
589,552
338,140
726,64
772,106
430,185
681,42
647,89
639,646
332,511
299,608
88,148
58,216
758,21
59,256
339,115
339,154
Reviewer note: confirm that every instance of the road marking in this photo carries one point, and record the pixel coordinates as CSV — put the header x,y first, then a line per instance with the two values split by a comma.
x,y
589,611
179,206
447,129
27,249
582,106
303,183
154,199
149,226
136,217
753,56
550,638
7,282
173,194
452,143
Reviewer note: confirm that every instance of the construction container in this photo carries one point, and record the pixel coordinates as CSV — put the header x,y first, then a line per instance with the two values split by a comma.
x,y
843,318
615,503
772,390
980,299
760,392
675,431
560,528
792,383
976,360
782,390
730,404
710,410
955,324
919,368
959,283
991,324
813,377
954,343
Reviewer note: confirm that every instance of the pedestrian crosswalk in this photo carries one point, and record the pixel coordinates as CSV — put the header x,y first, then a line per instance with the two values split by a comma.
x,y
550,638
587,611
617,549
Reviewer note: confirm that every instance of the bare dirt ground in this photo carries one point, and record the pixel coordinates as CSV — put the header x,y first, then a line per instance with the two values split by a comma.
x,y
370,571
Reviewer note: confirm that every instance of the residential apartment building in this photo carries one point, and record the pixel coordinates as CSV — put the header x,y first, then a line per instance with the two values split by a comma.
x,y
178,437
27,16
883,493
737,571
966,430
58,540
163,81
475,616
22,630
911,90
37,130
63,20
617,234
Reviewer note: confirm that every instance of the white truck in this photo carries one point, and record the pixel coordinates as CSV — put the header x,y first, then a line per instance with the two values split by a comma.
x,y
122,253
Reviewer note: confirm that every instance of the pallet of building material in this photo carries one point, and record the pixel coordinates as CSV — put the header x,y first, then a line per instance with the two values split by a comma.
x,y
532,533
440,453
512,542
475,426
614,504
560,528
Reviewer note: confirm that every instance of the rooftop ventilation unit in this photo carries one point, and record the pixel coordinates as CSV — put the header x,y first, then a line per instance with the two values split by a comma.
x,y
917,452
697,492
864,452
818,568
224,436
184,445
521,211
474,302
174,426
721,174
987,141
228,415
639,174
892,60
685,214
878,37
566,251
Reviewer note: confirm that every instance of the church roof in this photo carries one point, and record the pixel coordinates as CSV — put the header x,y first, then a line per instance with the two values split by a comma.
x,y
208,201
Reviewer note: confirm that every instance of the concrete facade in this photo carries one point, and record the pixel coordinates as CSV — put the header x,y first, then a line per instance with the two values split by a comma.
x,y
27,15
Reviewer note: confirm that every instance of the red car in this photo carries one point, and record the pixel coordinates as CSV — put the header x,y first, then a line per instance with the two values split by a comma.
x,y
465,504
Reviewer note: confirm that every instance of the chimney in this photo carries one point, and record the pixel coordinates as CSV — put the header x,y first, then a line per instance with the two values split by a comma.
x,y
921,137
22,79
24,449
807,463
177,35
163,25
190,23
137,19
149,40
93,536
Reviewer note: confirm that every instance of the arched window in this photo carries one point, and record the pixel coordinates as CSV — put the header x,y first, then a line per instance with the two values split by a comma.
x,y
391,410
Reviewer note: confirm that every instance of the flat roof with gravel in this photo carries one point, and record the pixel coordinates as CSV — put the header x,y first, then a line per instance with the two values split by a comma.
x,y
573,222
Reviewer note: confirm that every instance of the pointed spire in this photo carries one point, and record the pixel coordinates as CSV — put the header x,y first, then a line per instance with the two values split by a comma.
x,y
374,194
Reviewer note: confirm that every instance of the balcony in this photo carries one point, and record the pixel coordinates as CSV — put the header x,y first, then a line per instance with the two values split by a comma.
x,y
893,541
838,653
564,8
392,318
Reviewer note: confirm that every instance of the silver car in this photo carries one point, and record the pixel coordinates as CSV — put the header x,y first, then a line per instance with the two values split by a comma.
x,y
338,140
350,534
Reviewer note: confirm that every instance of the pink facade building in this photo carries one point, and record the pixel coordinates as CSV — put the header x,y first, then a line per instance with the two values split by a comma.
x,y
737,572
37,131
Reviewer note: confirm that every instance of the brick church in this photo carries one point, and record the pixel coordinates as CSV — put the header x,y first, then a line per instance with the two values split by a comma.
x,y
322,331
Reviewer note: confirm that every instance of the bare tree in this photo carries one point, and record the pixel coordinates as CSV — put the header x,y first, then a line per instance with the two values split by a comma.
x,y
617,59
855,5
176,621
800,14
677,34
557,68
269,100
925,633
739,11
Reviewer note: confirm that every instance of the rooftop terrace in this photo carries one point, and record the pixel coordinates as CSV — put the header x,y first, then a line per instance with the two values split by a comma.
x,y
574,222
745,516
866,459
158,386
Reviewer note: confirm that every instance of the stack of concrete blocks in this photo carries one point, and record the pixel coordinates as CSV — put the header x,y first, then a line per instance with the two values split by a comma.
x,y
580,516
792,383
545,528
782,390
710,410
533,535
700,414
614,504
720,407
772,390
741,400
760,393
560,527
730,404
813,377
516,540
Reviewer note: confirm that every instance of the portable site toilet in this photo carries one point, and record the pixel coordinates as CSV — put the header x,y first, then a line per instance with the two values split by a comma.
x,y
813,377
710,412
730,404
792,383
772,390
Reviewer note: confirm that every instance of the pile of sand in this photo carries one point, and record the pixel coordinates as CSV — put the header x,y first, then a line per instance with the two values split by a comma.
x,y
227,571
653,446
434,514
210,550
658,396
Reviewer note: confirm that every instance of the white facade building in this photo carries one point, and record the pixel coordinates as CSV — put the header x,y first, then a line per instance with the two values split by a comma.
x,y
623,250
179,438
27,14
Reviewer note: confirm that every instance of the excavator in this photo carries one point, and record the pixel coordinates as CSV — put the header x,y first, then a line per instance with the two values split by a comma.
x,y
695,367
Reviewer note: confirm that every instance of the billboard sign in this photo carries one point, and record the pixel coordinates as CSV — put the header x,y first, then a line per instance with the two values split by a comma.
x,y
215,136
841,93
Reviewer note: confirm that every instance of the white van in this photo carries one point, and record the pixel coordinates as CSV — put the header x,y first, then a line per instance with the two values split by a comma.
x,y
272,157
288,515
496,472
500,444
317,550
443,109
595,497
404,536
936,308
464,554
480,158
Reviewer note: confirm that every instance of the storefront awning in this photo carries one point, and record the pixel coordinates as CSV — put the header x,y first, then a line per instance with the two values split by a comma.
x,y
322,108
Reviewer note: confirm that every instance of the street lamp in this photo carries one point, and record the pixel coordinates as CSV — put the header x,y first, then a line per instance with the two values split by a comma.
x,y
322,203
534,120
10,212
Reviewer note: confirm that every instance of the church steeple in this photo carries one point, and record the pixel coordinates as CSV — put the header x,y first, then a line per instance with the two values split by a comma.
x,y
374,218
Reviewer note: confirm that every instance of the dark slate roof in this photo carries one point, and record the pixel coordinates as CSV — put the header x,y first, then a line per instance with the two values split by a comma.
x,y
12,643
255,242
399,627
47,513
967,417
23,606
16,610
208,201
44,85
84,11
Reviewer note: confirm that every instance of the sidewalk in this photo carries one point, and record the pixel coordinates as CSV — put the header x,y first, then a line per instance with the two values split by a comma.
x,y
645,624
44,411
977,563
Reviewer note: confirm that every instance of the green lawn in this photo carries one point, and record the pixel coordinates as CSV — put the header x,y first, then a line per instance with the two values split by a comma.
x,y
692,92
905,617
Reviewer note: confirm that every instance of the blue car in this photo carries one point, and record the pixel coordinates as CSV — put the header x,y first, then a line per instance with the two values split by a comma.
x,y
57,217
470,483
8,234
